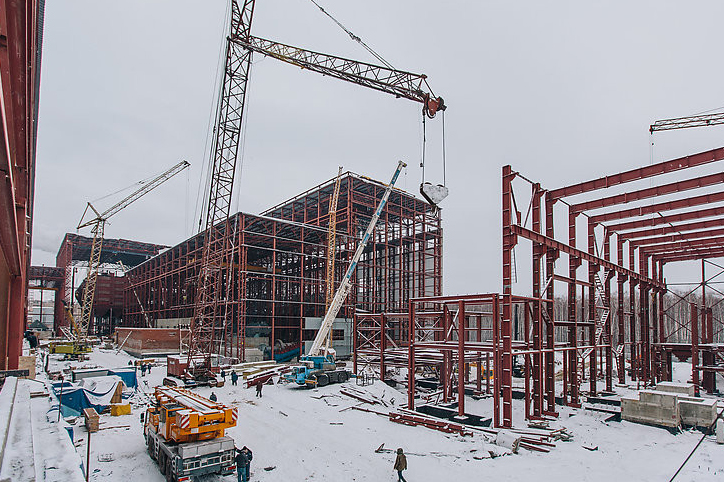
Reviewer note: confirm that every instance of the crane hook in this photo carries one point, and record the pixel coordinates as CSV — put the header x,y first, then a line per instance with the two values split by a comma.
x,y
432,105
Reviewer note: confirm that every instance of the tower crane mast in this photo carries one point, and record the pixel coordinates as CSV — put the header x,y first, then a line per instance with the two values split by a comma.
x,y
210,310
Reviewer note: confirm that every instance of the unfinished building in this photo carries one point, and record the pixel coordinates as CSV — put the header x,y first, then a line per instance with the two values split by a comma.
x,y
116,254
275,294
571,327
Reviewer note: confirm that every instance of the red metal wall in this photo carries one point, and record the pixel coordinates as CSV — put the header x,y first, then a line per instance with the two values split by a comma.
x,y
20,24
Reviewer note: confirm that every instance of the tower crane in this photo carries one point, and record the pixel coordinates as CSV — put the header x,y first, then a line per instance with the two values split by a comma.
x,y
702,120
97,225
209,319
331,244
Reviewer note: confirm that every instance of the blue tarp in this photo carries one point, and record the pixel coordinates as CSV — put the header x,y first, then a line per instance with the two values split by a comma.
x,y
74,398
128,375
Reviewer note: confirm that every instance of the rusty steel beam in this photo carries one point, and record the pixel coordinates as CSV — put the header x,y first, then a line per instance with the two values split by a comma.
x,y
679,237
663,230
671,188
695,254
640,173
582,255
657,208
683,246
669,218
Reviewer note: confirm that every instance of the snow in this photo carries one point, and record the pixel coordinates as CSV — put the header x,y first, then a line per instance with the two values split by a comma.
x,y
313,435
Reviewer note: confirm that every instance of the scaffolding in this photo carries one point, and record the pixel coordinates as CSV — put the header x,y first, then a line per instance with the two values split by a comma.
x,y
279,258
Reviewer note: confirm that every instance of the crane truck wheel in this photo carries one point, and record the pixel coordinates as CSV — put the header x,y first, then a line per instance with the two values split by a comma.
x,y
322,380
343,376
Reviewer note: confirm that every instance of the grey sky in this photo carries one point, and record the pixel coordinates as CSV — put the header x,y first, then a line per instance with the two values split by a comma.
x,y
563,91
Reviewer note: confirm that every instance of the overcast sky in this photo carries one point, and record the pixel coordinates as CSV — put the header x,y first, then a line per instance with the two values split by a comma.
x,y
563,91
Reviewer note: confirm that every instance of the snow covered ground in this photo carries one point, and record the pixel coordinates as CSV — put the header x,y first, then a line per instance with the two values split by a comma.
x,y
308,435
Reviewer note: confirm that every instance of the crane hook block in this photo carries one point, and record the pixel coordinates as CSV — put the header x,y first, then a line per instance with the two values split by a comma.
x,y
433,194
432,106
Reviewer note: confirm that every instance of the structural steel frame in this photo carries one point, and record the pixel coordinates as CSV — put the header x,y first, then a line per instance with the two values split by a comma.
x,y
646,240
279,259
75,251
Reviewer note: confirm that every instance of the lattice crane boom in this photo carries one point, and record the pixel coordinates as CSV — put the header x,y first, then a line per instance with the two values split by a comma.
x,y
703,120
209,321
98,224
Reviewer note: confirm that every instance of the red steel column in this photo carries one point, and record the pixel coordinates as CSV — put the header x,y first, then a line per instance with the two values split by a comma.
x,y
695,348
620,280
411,357
383,345
635,361
550,368
592,270
538,251
607,298
509,241
461,358
573,264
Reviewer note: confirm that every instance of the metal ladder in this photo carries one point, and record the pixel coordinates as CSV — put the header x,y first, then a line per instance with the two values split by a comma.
x,y
603,312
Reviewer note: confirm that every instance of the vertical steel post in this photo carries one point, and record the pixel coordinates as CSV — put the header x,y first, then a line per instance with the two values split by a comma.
x,y
509,241
550,367
538,252
411,357
573,264
695,348
461,358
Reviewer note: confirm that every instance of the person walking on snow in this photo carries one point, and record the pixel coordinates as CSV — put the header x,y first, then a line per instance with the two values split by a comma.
x,y
212,397
223,375
400,465
143,370
259,385
234,378
243,463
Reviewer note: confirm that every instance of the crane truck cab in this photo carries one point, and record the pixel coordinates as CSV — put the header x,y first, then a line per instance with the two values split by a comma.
x,y
317,371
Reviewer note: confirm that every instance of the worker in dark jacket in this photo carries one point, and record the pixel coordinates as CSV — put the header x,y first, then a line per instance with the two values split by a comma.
x,y
259,386
213,397
243,463
400,465
234,378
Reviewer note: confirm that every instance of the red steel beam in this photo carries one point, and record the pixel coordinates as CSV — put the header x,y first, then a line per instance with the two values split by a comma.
x,y
684,246
669,218
692,255
641,173
657,208
661,231
582,255
680,237
674,187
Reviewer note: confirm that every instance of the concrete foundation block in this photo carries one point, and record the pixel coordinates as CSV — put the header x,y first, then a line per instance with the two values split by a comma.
x,y
650,413
697,412
673,387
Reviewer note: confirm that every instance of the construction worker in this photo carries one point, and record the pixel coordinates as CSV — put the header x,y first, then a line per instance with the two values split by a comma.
x,y
212,397
259,386
223,375
143,369
234,378
400,465
243,463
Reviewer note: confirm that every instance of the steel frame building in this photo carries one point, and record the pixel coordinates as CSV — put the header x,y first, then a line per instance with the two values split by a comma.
x,y
628,245
279,260
75,252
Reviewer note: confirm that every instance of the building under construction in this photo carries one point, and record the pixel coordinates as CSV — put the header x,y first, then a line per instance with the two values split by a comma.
x,y
275,294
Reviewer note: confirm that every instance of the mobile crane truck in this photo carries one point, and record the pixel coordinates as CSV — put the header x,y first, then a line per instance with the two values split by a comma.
x,y
317,368
185,434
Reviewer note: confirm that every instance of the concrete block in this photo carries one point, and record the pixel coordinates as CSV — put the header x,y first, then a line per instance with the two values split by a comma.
x,y
649,413
664,399
697,412
673,387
